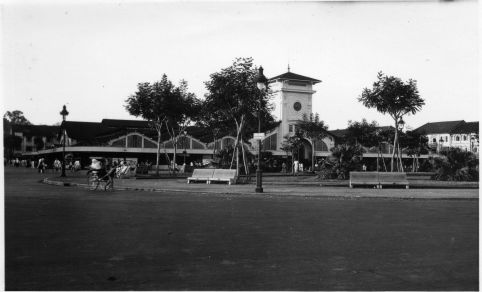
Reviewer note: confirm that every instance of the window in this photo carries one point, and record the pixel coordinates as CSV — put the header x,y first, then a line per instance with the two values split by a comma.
x,y
457,138
465,138
291,128
134,141
149,144
434,140
119,143
446,138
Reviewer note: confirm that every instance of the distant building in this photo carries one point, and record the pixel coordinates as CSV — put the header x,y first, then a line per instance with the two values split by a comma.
x,y
457,134
34,137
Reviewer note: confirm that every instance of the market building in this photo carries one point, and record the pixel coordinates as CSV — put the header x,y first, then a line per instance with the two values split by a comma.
x,y
136,141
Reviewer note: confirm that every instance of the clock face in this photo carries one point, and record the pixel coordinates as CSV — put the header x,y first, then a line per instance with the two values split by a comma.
x,y
297,106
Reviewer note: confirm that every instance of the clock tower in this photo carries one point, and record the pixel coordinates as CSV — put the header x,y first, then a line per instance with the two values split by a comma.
x,y
292,98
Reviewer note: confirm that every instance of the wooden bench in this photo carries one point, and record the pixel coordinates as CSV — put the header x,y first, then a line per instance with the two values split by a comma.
x,y
393,179
378,179
227,175
364,178
201,175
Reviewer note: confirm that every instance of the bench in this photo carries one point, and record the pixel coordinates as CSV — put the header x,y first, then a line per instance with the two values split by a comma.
x,y
364,178
201,175
378,179
227,175
393,179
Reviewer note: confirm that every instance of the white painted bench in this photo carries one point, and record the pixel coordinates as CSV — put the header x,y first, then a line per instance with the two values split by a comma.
x,y
364,178
378,179
200,174
393,179
227,175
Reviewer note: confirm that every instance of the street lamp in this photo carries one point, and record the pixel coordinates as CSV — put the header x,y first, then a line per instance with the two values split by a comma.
x,y
261,82
64,113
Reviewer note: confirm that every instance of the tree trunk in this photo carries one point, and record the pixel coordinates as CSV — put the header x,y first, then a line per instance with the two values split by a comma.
x,y
313,157
158,127
235,145
237,161
395,143
158,153
246,170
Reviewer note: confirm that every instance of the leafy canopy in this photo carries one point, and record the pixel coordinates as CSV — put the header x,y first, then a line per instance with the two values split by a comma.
x,y
163,101
16,117
234,97
367,134
390,95
313,127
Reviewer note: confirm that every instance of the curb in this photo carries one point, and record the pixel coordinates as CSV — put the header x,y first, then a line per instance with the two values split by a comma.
x,y
305,195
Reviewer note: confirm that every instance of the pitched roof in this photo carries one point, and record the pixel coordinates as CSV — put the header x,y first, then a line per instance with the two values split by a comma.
x,y
439,127
339,133
84,131
36,130
125,124
292,76
467,128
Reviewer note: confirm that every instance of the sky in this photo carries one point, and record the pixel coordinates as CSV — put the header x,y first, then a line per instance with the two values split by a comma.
x,y
90,56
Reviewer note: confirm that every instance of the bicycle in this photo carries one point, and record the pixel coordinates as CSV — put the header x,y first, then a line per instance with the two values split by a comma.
x,y
94,181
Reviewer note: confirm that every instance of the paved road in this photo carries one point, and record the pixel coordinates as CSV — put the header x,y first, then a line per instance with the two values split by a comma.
x,y
64,238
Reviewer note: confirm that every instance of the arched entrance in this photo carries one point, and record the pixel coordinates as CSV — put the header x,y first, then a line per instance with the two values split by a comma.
x,y
305,153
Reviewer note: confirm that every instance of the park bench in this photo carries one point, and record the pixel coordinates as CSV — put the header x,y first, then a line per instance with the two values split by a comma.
x,y
378,179
221,175
364,178
393,179
201,175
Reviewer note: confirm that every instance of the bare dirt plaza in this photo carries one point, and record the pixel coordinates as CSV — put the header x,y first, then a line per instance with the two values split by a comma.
x,y
69,238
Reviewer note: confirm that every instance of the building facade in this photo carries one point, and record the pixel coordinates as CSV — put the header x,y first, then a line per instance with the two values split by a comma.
x,y
452,134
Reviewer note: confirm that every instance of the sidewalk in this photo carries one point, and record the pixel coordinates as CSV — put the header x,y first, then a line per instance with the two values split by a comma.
x,y
306,186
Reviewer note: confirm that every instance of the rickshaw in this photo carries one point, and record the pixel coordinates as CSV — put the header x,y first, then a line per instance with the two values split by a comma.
x,y
98,176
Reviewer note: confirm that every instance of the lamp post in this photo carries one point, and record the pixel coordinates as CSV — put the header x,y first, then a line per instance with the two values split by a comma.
x,y
261,82
64,113
440,145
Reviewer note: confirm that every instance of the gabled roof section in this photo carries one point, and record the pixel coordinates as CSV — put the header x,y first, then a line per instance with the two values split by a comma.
x,y
293,76
339,133
84,131
467,128
125,124
439,127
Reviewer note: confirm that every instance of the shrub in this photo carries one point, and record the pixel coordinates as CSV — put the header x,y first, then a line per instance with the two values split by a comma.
x,y
456,165
344,158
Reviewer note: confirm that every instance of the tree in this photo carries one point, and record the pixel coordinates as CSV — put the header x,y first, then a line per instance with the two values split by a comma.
x,y
16,117
363,133
390,95
314,129
162,104
414,144
185,108
292,144
233,98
